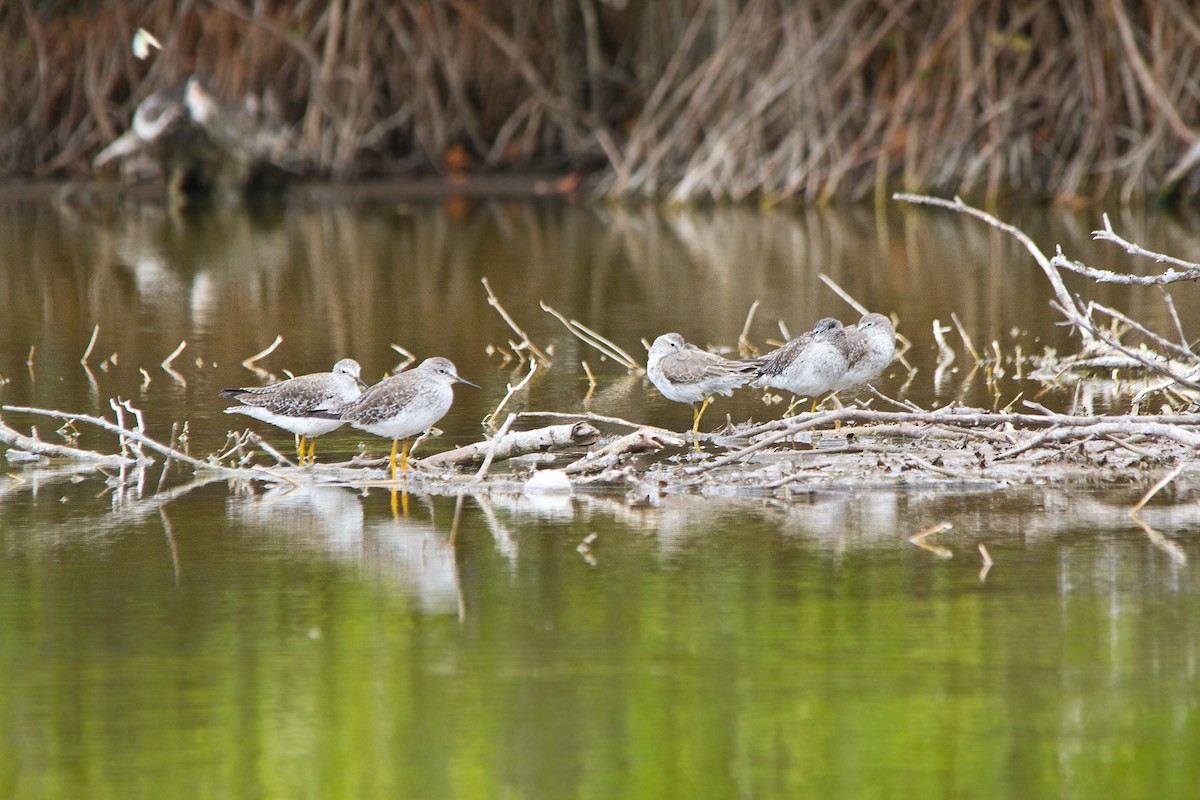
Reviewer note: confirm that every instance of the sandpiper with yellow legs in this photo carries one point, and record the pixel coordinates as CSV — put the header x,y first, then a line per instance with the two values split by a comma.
x,y
405,405
300,405
686,374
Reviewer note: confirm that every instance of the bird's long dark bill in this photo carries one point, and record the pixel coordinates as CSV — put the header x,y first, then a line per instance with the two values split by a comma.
x,y
468,383
363,383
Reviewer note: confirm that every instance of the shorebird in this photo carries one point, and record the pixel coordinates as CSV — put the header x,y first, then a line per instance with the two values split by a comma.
x,y
405,405
295,404
810,364
872,347
686,374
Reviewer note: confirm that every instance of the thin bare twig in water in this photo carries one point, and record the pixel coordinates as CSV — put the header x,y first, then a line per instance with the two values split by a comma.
x,y
275,475
254,438
1183,340
495,303
842,293
512,390
491,451
91,344
1109,235
939,551
966,338
595,340
162,478
166,363
745,348
1183,351
409,358
249,363
946,354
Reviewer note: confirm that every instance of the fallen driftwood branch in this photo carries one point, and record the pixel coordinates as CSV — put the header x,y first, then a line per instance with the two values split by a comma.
x,y
516,444
127,433
28,444
644,440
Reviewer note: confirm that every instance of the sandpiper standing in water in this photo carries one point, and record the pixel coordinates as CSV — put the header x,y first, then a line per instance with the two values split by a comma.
x,y
686,374
809,365
292,404
405,405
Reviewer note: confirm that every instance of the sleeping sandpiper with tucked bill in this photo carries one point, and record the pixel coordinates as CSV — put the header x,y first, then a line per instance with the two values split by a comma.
x,y
686,374
871,348
809,365
293,404
405,405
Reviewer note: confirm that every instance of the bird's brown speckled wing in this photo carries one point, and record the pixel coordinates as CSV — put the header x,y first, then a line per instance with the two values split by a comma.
x,y
384,400
295,397
693,365
776,363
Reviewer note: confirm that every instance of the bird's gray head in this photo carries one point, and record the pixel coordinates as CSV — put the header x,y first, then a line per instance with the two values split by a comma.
x,y
877,324
348,366
828,330
443,370
668,342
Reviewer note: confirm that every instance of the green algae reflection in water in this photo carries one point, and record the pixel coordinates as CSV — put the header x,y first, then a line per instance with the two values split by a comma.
x,y
311,645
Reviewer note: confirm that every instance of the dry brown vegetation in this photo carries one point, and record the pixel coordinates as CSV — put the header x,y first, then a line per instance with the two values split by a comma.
x,y
686,100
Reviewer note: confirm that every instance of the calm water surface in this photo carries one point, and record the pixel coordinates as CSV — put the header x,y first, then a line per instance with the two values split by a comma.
x,y
219,640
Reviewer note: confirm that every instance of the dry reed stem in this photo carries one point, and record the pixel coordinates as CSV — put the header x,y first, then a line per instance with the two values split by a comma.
x,y
745,348
718,99
249,363
596,341
529,345
491,449
91,344
510,391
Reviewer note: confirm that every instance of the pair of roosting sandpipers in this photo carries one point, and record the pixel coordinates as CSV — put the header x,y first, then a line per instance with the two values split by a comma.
x,y
829,358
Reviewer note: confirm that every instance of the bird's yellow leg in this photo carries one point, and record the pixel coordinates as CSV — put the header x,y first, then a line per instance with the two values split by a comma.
x,y
404,458
312,450
395,444
300,447
696,414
